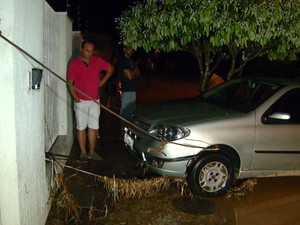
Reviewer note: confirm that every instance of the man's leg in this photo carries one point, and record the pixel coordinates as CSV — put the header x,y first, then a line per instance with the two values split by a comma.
x,y
93,126
81,111
92,136
81,136
123,114
128,104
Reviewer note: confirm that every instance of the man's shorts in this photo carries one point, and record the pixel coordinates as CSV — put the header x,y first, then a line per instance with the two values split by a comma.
x,y
87,114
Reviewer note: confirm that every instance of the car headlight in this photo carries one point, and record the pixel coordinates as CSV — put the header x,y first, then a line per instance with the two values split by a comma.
x,y
169,132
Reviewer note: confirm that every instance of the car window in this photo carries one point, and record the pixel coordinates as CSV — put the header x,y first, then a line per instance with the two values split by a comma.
x,y
286,109
243,95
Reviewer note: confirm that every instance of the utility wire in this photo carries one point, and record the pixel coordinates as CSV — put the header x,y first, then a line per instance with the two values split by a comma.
x,y
54,157
163,143
63,80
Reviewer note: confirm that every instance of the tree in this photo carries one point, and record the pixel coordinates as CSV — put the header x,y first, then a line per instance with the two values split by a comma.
x,y
215,30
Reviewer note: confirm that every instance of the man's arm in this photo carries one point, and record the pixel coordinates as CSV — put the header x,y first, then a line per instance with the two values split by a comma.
x,y
130,74
108,74
72,90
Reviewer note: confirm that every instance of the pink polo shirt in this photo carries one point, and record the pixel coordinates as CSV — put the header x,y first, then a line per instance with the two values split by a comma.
x,y
86,78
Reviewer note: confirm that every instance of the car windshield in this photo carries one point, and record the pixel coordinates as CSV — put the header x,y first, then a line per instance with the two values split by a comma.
x,y
243,95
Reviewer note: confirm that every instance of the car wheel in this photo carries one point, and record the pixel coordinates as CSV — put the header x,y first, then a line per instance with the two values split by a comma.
x,y
210,176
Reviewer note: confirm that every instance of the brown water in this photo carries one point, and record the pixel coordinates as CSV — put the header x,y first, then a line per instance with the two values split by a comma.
x,y
274,201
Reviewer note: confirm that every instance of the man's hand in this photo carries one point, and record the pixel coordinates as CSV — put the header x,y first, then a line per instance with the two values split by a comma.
x,y
101,83
72,91
130,74
108,74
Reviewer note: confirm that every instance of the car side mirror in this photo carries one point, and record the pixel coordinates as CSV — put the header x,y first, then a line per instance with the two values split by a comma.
x,y
277,117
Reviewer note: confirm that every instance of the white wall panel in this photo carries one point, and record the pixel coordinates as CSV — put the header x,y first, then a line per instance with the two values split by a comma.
x,y
36,28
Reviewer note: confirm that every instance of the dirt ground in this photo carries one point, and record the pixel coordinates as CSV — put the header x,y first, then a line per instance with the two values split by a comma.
x,y
274,201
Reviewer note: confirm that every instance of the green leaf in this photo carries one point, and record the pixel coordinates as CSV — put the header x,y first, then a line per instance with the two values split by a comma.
x,y
247,26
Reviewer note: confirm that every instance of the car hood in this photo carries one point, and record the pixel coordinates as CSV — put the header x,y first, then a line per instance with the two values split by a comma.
x,y
183,111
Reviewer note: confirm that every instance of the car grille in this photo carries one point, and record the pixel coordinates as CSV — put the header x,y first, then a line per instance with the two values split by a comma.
x,y
140,123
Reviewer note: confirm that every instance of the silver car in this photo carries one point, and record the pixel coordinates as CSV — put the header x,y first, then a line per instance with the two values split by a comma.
x,y
245,128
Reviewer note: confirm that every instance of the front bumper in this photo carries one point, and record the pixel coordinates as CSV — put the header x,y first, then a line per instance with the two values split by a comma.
x,y
168,160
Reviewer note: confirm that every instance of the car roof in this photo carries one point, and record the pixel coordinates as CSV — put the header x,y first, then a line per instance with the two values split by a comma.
x,y
276,80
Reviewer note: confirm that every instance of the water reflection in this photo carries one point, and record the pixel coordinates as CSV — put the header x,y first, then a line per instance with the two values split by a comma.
x,y
194,206
274,201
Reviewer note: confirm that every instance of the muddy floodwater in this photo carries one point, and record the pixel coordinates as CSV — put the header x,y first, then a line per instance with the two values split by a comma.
x,y
273,201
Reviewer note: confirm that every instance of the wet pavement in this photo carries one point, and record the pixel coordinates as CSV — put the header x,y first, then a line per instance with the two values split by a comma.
x,y
274,201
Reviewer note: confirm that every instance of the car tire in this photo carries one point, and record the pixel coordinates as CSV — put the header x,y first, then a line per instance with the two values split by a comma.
x,y
210,176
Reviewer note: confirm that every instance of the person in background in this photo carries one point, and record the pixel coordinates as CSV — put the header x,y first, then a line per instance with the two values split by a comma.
x,y
128,72
111,85
83,81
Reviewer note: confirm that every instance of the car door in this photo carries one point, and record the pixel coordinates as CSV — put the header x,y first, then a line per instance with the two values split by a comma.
x,y
277,142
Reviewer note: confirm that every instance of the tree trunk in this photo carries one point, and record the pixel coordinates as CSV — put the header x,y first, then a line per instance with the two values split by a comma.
x,y
231,69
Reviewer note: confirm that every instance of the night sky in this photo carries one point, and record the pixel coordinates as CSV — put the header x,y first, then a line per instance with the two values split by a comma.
x,y
92,16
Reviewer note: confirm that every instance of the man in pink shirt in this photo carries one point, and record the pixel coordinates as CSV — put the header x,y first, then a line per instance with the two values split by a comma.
x,y
83,82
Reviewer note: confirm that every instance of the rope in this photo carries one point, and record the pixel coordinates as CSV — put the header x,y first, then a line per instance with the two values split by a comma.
x,y
162,143
53,160
77,89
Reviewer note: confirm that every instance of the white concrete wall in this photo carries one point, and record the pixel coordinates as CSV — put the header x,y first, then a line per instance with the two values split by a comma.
x,y
57,52
8,137
65,53
24,191
50,59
